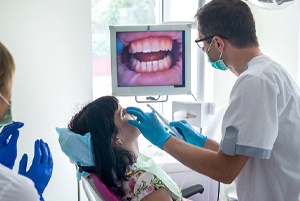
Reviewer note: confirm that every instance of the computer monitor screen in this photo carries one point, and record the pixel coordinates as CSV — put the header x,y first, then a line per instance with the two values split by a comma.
x,y
150,59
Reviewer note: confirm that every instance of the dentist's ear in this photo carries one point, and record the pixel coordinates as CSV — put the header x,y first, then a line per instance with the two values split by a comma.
x,y
217,42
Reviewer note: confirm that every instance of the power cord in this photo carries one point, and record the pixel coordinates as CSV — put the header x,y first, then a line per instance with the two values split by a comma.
x,y
218,198
78,186
187,172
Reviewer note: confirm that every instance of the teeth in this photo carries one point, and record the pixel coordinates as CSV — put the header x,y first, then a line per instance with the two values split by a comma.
x,y
151,66
139,47
155,66
151,44
147,45
155,46
143,66
160,65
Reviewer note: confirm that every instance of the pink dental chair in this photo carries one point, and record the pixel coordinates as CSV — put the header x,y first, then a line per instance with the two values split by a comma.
x,y
95,190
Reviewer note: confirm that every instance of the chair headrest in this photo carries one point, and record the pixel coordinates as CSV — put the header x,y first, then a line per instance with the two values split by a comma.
x,y
77,147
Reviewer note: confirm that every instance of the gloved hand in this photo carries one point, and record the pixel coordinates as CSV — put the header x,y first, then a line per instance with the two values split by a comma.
x,y
191,136
149,126
8,144
40,171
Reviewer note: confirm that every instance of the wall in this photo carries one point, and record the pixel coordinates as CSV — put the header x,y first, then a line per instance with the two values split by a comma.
x,y
51,44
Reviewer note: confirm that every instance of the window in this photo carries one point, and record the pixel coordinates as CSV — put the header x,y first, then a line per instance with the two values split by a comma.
x,y
122,12
116,12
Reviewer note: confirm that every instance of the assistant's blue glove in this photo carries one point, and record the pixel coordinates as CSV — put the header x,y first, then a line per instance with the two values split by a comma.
x,y
149,126
191,136
8,144
40,171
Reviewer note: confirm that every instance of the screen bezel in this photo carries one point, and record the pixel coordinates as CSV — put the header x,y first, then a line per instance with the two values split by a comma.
x,y
151,90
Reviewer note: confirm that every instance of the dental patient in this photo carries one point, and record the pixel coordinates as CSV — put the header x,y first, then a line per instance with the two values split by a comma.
x,y
114,152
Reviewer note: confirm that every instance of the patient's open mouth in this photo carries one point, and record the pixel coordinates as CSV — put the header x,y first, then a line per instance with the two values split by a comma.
x,y
151,54
150,58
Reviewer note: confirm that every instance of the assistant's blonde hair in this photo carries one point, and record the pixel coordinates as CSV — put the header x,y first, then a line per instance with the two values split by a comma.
x,y
7,69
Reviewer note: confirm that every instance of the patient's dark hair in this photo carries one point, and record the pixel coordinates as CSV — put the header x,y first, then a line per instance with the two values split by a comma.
x,y
97,117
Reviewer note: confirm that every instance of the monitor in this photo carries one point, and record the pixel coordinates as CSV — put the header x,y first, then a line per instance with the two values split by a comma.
x,y
151,59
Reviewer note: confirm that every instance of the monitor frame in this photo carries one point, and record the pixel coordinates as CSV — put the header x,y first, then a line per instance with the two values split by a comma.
x,y
185,88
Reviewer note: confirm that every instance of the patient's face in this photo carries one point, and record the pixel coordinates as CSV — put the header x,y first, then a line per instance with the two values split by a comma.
x,y
125,130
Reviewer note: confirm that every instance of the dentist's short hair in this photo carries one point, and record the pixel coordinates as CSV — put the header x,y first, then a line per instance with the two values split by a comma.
x,y
228,18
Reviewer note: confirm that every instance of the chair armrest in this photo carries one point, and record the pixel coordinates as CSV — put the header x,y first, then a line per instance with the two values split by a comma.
x,y
192,190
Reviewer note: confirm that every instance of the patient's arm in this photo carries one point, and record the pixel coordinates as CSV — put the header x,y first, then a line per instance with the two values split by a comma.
x,y
160,194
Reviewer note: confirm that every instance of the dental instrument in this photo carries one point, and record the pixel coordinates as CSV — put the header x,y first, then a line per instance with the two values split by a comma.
x,y
166,123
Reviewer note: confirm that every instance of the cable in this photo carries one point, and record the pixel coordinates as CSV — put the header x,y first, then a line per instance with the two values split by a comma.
x,y
78,186
218,191
184,178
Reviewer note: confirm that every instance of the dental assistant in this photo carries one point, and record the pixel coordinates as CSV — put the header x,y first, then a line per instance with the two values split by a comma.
x,y
260,142
28,184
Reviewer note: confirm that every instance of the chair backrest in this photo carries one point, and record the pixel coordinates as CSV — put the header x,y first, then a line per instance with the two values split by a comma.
x,y
105,192
99,190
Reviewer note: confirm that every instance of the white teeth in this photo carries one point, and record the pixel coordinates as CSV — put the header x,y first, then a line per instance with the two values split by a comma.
x,y
139,47
151,44
160,65
147,45
155,46
151,66
155,66
168,61
143,66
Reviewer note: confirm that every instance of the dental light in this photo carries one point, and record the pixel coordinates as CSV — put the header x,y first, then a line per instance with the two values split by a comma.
x,y
272,4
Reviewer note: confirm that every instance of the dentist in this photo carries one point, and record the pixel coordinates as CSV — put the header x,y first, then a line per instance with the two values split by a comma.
x,y
30,184
260,142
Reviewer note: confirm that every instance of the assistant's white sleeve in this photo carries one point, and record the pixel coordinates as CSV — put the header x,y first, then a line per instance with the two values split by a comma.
x,y
15,187
250,124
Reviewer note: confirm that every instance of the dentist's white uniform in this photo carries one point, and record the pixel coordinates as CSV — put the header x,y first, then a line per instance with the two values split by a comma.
x,y
263,122
15,187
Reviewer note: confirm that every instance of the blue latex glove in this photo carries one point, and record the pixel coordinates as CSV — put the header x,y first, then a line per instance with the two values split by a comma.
x,y
149,126
40,171
8,144
191,136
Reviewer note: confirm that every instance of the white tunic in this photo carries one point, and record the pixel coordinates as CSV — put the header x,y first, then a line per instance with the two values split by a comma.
x,y
15,187
263,122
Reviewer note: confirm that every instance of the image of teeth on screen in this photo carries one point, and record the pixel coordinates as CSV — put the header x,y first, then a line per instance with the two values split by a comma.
x,y
150,58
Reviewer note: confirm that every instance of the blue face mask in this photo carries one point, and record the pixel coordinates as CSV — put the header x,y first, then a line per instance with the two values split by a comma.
x,y
219,64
